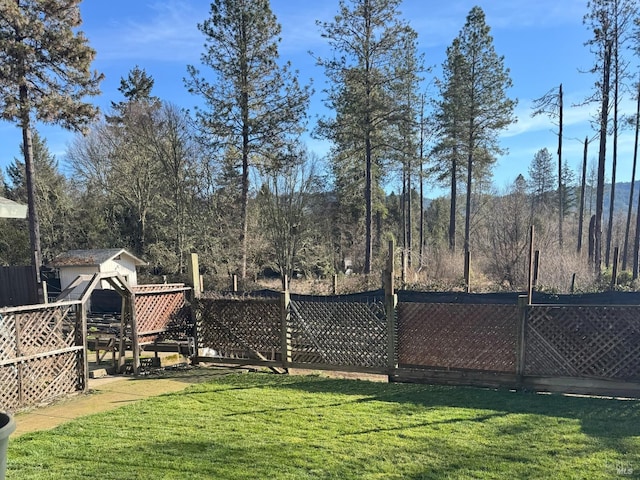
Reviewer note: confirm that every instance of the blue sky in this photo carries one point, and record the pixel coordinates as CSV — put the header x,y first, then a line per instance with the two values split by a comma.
x,y
542,42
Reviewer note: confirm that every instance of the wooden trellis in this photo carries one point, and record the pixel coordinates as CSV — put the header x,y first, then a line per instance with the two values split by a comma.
x,y
42,353
458,336
583,341
246,328
339,333
162,312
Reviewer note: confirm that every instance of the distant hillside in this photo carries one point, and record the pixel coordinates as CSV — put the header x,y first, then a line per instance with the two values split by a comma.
x,y
621,203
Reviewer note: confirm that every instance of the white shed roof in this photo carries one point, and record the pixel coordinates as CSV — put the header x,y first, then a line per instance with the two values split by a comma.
x,y
87,258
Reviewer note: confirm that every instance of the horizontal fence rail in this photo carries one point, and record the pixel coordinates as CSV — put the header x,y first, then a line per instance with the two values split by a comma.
x,y
42,354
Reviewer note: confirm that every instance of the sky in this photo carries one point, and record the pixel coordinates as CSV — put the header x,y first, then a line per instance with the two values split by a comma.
x,y
542,43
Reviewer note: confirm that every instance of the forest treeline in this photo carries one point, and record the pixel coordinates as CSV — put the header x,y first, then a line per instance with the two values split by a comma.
x,y
234,181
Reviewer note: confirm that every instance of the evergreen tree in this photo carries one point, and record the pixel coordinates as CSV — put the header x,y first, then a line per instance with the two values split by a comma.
x,y
44,76
541,179
253,105
53,200
448,115
367,38
481,103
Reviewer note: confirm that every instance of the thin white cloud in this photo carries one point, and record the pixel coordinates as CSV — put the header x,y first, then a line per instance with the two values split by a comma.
x,y
167,31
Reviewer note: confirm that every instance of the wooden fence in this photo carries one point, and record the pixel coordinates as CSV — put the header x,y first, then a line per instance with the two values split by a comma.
x,y
18,286
565,348
43,348
42,353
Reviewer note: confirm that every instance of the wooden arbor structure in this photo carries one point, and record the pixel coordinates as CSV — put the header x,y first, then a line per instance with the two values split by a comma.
x,y
128,312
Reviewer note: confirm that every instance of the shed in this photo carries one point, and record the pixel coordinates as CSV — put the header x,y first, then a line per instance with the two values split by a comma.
x,y
73,263
11,209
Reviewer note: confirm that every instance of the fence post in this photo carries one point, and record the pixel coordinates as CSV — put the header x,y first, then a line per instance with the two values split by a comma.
x,y
134,333
81,340
193,270
467,271
523,305
20,366
391,301
285,330
531,266
614,273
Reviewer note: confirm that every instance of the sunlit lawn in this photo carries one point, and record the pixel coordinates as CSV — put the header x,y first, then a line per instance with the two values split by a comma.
x,y
266,426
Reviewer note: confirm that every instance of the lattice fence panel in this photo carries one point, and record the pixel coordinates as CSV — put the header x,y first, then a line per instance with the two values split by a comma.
x,y
583,341
162,313
7,336
9,388
41,356
240,328
339,333
51,377
458,336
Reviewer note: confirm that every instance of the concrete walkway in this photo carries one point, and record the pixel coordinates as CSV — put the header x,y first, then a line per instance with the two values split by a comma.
x,y
109,393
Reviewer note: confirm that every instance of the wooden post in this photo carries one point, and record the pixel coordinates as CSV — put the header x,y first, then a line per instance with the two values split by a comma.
x,y
530,279
391,301
523,305
122,347
134,333
335,284
614,273
234,283
285,320
467,271
573,283
21,366
81,339
536,268
404,267
193,270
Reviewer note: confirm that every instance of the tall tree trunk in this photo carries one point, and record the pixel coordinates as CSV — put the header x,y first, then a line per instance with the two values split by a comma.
x,y
244,112
625,253
602,153
582,193
560,184
368,254
30,178
453,202
409,219
421,249
616,86
403,208
467,216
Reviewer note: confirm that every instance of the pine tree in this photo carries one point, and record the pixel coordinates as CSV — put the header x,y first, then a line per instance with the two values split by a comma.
x,y
448,151
44,76
541,179
481,103
253,105
53,200
367,38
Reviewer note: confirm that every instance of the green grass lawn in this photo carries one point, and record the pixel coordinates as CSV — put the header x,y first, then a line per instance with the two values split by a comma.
x,y
266,426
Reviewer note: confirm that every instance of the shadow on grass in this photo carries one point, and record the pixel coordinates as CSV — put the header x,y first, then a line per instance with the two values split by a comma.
x,y
607,419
